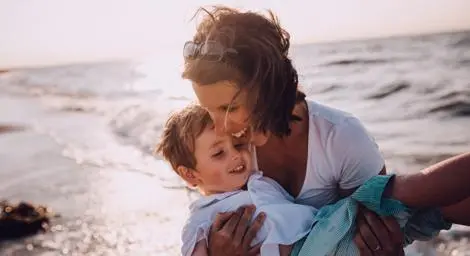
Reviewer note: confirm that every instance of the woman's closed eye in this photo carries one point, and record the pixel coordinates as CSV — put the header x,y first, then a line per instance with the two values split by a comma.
x,y
241,145
227,108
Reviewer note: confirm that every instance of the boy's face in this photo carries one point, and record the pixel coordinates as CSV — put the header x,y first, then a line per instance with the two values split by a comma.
x,y
223,162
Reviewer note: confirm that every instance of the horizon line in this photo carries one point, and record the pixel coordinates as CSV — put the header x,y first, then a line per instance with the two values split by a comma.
x,y
369,38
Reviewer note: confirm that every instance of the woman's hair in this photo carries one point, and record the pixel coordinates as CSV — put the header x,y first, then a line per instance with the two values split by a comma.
x,y
260,66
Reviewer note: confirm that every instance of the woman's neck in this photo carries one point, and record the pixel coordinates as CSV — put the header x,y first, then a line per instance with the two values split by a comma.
x,y
285,159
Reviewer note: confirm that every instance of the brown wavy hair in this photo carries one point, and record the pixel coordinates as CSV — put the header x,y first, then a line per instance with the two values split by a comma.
x,y
178,138
261,66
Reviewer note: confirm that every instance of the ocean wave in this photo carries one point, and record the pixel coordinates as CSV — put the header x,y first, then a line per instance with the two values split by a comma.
x,y
85,80
139,126
346,62
463,62
454,94
456,108
464,41
390,89
323,89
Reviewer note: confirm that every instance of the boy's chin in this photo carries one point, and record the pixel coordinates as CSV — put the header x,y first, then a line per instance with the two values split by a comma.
x,y
244,185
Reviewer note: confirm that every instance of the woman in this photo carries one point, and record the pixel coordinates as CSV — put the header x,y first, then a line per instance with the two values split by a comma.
x,y
240,71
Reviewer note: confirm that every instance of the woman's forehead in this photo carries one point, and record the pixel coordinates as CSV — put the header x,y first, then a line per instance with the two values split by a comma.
x,y
216,94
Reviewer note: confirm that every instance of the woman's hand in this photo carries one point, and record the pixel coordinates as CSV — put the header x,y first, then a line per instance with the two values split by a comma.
x,y
376,235
232,234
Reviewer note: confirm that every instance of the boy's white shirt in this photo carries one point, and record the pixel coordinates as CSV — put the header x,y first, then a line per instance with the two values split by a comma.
x,y
286,222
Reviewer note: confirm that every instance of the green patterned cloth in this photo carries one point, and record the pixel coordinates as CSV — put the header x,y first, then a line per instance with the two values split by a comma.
x,y
334,229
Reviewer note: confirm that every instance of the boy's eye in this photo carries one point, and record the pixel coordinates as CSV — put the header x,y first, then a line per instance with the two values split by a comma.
x,y
218,154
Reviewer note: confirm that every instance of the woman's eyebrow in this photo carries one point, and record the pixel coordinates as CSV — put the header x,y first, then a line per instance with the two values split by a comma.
x,y
224,106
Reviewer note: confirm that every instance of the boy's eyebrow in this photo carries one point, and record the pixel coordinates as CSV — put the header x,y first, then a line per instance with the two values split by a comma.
x,y
216,143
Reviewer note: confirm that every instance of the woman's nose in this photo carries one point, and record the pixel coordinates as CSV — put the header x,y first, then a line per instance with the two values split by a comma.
x,y
219,124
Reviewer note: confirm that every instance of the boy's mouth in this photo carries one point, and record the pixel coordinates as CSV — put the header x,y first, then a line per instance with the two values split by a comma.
x,y
240,133
239,169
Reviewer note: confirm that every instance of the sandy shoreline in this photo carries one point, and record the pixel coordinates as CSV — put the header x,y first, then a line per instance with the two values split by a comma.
x,y
103,212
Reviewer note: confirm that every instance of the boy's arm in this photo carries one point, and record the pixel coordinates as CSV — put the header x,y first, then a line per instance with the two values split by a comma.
x,y
200,249
443,184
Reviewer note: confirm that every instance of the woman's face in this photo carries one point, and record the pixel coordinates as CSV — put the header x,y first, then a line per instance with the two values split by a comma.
x,y
226,105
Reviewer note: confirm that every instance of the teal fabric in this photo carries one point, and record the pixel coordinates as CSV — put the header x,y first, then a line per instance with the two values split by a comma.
x,y
334,229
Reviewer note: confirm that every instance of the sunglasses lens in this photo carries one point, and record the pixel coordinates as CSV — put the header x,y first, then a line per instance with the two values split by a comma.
x,y
190,50
212,51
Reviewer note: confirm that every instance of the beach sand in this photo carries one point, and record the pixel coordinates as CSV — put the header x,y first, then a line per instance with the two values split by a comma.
x,y
102,212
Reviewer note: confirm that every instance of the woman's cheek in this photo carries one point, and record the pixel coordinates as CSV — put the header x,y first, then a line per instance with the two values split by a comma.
x,y
242,117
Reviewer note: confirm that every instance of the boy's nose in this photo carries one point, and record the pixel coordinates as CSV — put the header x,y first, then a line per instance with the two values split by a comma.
x,y
235,154
236,157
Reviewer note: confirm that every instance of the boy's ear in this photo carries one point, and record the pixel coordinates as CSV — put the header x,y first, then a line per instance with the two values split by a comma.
x,y
188,175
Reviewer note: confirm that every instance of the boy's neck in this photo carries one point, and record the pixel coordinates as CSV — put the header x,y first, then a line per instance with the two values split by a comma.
x,y
210,193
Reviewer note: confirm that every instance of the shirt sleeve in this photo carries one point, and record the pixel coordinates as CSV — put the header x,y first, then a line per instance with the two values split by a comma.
x,y
354,155
193,232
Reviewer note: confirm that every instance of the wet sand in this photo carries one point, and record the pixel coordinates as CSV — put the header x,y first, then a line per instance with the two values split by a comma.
x,y
102,212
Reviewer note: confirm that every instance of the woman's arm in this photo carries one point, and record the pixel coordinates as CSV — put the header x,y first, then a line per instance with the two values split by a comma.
x,y
439,185
458,213
445,184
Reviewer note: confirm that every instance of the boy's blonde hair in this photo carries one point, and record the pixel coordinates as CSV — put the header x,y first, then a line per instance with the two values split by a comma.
x,y
179,134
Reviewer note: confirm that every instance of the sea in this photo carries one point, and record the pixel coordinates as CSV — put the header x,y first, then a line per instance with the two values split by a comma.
x,y
85,147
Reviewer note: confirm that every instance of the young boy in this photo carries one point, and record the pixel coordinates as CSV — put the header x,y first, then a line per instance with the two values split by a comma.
x,y
222,168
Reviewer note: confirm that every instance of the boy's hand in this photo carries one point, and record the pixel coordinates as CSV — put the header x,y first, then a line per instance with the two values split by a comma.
x,y
231,233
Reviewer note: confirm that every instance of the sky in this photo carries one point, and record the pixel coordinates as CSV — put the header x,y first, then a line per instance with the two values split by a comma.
x,y
51,32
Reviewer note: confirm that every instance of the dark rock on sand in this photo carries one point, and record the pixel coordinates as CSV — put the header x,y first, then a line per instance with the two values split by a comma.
x,y
5,128
22,219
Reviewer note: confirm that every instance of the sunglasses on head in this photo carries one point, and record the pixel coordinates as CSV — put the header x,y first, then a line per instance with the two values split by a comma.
x,y
209,50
